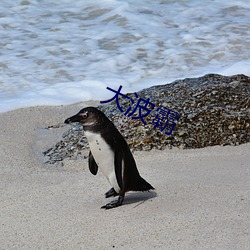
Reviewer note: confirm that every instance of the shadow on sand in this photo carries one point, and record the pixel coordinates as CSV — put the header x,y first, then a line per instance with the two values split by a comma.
x,y
138,198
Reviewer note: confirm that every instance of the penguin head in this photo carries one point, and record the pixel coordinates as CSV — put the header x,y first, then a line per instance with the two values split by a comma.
x,y
88,117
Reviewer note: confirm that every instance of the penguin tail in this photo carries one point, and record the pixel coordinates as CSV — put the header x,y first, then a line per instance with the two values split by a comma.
x,y
141,185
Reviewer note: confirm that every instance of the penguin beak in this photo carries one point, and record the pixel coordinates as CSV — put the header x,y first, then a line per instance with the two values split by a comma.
x,y
74,118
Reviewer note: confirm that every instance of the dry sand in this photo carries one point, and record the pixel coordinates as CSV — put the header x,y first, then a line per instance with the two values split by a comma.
x,y
201,201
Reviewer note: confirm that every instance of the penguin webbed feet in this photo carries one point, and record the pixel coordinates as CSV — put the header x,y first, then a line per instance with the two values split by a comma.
x,y
115,203
111,193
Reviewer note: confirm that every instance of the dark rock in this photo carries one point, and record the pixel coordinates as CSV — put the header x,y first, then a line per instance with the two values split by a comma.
x,y
214,110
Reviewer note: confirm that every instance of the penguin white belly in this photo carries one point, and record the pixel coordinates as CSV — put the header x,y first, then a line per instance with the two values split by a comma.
x,y
104,157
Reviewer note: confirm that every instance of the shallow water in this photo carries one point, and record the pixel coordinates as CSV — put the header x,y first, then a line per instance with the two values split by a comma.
x,y
63,52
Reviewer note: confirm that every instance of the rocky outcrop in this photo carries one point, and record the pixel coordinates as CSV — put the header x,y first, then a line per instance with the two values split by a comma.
x,y
213,109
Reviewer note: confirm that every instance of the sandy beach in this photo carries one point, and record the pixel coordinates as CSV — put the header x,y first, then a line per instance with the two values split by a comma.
x,y
201,198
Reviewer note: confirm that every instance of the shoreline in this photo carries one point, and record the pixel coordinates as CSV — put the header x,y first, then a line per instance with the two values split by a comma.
x,y
201,198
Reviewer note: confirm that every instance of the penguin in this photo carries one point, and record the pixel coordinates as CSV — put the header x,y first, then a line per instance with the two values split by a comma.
x,y
110,152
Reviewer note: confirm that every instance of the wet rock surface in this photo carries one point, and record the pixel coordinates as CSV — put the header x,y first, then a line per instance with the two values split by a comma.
x,y
213,109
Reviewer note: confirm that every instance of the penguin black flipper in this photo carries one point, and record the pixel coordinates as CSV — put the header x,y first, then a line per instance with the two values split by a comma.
x,y
93,167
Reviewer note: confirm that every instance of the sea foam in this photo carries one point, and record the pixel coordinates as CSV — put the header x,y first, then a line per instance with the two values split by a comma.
x,y
63,52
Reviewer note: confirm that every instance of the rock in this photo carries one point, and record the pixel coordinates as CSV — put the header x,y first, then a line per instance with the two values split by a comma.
x,y
214,110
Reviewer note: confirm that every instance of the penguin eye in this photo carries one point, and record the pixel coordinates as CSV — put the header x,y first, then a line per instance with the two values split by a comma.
x,y
84,115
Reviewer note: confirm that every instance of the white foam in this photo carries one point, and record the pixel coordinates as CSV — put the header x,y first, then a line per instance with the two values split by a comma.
x,y
242,67
61,52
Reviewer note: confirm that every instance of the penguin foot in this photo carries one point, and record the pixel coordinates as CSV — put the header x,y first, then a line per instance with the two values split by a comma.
x,y
113,204
111,193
